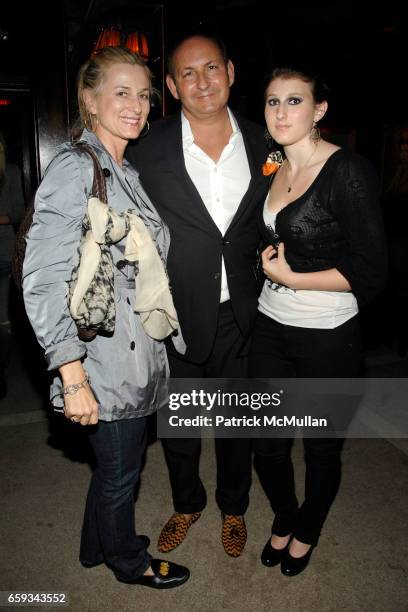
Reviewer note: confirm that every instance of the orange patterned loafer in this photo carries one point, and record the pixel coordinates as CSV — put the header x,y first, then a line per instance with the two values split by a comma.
x,y
174,531
233,535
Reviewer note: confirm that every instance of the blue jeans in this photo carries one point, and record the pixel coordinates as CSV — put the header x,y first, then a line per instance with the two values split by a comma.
x,y
108,532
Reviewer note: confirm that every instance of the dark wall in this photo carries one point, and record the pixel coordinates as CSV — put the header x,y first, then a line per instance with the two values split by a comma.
x,y
360,50
33,77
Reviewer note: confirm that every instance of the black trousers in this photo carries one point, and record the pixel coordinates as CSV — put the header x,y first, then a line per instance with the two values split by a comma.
x,y
233,456
287,351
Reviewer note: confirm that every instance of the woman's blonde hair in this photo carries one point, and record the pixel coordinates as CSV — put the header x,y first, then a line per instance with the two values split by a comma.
x,y
91,76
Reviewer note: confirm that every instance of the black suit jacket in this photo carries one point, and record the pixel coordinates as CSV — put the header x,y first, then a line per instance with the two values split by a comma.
x,y
197,246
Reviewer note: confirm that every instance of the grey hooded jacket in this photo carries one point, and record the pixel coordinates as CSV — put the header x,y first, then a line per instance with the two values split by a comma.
x,y
128,371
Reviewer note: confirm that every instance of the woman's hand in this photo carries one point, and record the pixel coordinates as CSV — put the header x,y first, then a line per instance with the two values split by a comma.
x,y
279,271
277,268
80,406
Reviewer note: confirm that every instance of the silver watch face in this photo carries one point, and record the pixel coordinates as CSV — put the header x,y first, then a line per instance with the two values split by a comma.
x,y
73,388
70,389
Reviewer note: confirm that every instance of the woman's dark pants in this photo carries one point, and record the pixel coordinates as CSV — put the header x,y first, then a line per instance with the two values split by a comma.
x,y
284,351
108,532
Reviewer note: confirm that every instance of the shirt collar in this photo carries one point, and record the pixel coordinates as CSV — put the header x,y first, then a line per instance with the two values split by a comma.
x,y
93,140
187,134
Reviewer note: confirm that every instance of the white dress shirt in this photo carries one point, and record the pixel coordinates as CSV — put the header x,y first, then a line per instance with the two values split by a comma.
x,y
221,184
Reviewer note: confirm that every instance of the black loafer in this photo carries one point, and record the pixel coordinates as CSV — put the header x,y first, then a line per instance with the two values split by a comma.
x,y
272,556
166,575
89,564
99,561
292,566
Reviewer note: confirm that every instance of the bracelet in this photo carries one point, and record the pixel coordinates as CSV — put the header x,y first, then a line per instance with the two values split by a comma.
x,y
72,389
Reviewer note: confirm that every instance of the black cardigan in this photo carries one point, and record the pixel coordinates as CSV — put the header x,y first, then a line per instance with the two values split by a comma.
x,y
337,223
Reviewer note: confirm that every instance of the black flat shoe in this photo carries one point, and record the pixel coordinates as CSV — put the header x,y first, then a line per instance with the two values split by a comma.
x,y
89,564
272,556
166,575
292,566
99,561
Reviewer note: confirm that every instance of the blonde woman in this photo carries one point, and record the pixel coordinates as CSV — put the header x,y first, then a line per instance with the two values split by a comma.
x,y
111,383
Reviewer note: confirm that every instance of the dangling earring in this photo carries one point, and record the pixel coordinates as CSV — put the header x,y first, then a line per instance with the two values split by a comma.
x,y
274,159
142,133
315,133
270,143
275,154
